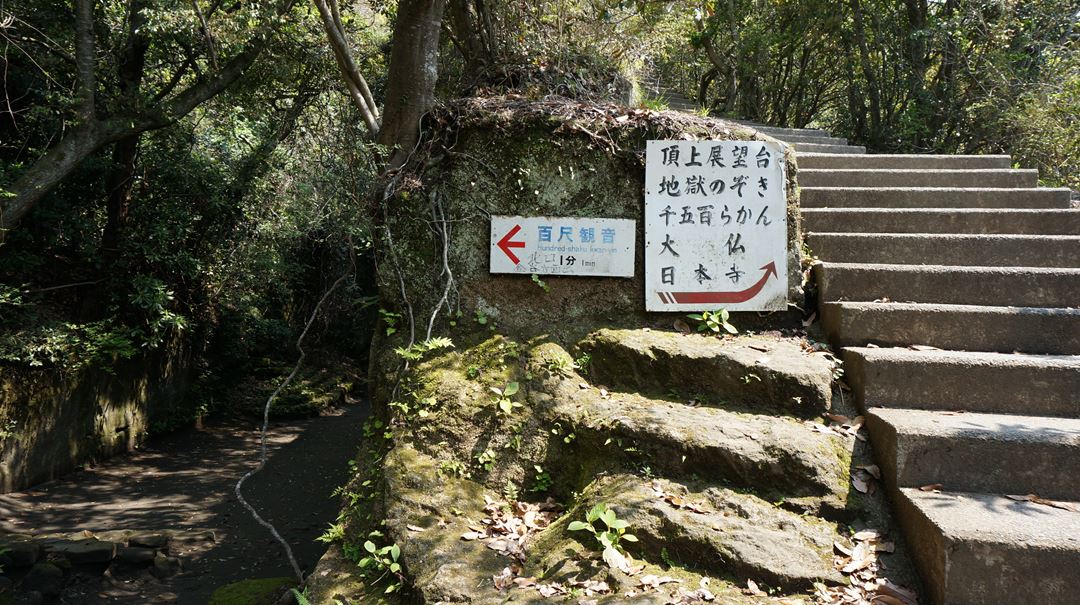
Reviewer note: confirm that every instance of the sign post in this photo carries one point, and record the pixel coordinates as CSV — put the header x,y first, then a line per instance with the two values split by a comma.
x,y
715,226
548,245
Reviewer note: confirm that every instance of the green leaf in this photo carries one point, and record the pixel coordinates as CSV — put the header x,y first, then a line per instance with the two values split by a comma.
x,y
370,546
395,567
578,526
365,562
629,537
506,406
618,524
730,328
511,389
395,552
609,518
696,316
605,540
595,512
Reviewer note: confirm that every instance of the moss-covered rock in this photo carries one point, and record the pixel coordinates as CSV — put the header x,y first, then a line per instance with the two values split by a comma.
x,y
720,532
764,373
776,455
263,591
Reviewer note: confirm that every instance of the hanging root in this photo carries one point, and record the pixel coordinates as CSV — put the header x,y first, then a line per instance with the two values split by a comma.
x,y
266,421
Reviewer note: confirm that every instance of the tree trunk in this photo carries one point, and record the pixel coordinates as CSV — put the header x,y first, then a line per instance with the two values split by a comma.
x,y
469,30
873,91
413,70
122,174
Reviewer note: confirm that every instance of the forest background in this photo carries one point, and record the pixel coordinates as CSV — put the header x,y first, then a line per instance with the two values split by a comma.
x,y
204,169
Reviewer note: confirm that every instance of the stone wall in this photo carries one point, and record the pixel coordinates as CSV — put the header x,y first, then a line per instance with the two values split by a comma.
x,y
65,419
509,156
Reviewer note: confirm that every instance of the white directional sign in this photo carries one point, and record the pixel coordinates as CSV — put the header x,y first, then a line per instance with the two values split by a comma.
x,y
715,226
548,245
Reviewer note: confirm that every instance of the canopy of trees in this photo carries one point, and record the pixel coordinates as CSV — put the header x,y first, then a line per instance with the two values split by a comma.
x,y
177,166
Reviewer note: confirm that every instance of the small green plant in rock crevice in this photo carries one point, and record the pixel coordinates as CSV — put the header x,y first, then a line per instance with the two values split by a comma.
x,y
714,321
503,398
381,563
609,535
417,350
540,283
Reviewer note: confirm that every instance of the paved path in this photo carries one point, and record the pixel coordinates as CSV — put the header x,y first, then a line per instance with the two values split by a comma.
x,y
185,481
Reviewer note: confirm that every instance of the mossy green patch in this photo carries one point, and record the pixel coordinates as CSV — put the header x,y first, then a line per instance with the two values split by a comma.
x,y
262,591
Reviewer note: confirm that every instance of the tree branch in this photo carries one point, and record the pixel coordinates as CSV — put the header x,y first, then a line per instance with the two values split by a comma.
x,y
90,136
85,59
354,81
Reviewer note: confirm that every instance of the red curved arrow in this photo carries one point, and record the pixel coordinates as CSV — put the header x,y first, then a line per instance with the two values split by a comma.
x,y
505,244
701,298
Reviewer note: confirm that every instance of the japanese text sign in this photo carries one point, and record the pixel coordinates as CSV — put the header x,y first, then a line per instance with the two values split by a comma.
x,y
715,226
548,245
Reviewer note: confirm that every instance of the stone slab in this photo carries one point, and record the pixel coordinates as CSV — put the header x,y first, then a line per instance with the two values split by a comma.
x,y
973,452
974,549
760,371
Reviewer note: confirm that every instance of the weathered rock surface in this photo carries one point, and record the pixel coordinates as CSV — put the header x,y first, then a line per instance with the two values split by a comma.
x,y
450,467
19,553
721,531
164,566
83,552
777,455
135,555
754,370
442,566
334,579
45,578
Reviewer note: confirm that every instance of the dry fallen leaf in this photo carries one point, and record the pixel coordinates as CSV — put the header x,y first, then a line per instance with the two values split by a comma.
x,y
681,326
866,535
873,469
414,528
861,482
933,487
752,589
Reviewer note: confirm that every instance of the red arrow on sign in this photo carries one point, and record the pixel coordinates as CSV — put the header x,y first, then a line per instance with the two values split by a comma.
x,y
691,298
505,244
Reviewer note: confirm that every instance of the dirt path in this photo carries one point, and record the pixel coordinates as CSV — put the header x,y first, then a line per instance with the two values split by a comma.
x,y
185,481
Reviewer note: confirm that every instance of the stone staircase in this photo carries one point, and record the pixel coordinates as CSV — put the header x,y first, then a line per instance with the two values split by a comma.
x,y
952,285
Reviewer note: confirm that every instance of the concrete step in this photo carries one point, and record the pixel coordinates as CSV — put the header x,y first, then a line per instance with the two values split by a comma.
x,y
812,139
802,148
1053,331
913,161
947,249
943,220
994,286
994,383
971,452
976,549
880,177
931,197
780,133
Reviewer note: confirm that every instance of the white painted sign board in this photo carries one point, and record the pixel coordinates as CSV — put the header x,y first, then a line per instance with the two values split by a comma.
x,y
550,245
715,226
